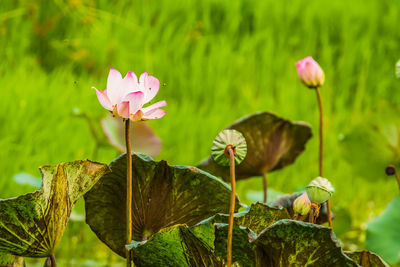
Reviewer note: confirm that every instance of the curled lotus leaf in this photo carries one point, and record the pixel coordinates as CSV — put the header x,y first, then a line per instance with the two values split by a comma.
x,y
178,245
32,224
163,196
294,243
366,258
256,217
272,143
143,138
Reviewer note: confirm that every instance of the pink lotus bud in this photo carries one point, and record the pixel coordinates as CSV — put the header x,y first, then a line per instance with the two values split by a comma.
x,y
310,73
302,204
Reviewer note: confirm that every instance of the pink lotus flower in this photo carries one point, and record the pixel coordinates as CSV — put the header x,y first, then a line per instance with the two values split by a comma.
x,y
310,73
125,97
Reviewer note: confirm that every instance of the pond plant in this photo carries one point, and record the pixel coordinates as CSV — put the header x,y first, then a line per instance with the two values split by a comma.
x,y
230,148
312,76
125,97
154,214
272,144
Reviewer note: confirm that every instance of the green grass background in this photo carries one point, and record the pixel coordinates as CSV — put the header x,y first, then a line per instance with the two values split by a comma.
x,y
220,60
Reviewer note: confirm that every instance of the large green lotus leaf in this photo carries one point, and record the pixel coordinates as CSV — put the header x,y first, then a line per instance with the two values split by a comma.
x,y
32,225
286,201
294,243
256,217
143,138
383,233
376,140
272,143
178,245
243,251
163,196
366,258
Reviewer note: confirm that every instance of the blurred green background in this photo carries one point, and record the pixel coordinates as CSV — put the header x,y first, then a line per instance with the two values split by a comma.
x,y
219,60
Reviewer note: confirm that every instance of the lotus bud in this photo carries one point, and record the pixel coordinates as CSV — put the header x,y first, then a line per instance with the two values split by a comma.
x,y
227,138
319,190
302,204
310,73
398,69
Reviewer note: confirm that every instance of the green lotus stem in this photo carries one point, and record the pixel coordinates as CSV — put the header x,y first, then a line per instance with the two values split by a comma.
x,y
321,149
265,183
128,191
232,204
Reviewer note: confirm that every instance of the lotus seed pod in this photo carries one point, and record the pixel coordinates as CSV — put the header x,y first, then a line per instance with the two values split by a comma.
x,y
224,139
319,190
302,204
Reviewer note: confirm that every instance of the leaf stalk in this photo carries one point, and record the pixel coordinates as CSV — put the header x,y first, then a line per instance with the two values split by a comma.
x,y
53,261
232,204
128,191
265,184
321,148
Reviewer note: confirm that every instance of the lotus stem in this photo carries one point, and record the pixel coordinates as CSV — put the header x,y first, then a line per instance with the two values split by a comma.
x,y
265,183
232,204
53,261
128,191
395,175
321,149
328,207
391,170
364,259
311,216
314,212
398,180
321,133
